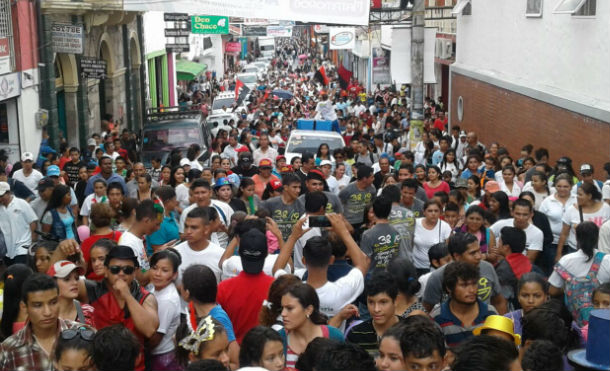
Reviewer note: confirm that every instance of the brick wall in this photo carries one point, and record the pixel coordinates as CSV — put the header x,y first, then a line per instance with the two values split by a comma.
x,y
514,120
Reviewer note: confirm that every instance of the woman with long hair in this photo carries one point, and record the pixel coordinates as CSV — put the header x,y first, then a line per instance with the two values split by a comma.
x,y
405,276
429,230
262,347
435,183
144,191
339,179
323,153
451,163
555,207
67,275
498,205
578,265
58,219
178,181
14,315
128,214
539,187
99,195
475,225
245,193
192,154
163,273
272,307
166,173
508,184
532,292
588,207
303,321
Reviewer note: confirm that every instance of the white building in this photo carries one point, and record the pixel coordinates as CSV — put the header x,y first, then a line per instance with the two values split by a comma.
x,y
535,71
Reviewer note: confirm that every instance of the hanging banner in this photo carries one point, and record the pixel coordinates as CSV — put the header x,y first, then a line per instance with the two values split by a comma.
x,y
254,31
209,24
279,31
348,12
320,28
341,38
401,55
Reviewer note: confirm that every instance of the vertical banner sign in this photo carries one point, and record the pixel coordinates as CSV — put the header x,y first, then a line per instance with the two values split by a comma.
x,y
341,38
209,24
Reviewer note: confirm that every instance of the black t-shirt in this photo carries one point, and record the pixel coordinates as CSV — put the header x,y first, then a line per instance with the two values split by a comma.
x,y
72,170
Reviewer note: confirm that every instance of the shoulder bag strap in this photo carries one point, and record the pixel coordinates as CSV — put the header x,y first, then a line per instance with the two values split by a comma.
x,y
580,213
79,312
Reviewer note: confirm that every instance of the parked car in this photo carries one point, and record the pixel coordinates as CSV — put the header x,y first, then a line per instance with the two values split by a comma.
x,y
301,141
169,128
250,79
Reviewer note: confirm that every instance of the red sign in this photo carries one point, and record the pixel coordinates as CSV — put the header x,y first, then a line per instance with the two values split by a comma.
x,y
5,50
233,47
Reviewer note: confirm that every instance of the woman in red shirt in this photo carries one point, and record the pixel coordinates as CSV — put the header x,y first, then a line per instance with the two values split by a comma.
x,y
434,183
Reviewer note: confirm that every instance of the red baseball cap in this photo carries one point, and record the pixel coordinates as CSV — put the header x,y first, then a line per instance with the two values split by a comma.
x,y
265,163
63,268
275,184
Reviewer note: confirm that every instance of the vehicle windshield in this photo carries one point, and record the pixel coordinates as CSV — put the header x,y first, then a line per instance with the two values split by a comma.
x,y
251,69
220,119
309,143
267,48
224,102
247,79
169,138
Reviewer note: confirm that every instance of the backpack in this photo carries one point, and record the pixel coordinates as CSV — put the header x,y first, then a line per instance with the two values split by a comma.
x,y
579,291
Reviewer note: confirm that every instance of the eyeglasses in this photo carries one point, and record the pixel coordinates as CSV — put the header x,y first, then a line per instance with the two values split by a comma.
x,y
84,333
127,269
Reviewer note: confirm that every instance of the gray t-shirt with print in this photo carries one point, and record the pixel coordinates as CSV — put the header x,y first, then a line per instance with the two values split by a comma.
x,y
354,202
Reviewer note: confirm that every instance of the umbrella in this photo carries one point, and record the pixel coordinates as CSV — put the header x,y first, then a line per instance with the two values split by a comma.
x,y
283,94
302,56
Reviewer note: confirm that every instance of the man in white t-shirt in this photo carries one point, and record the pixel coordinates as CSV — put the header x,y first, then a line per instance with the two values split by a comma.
x,y
317,253
197,249
27,174
18,221
522,213
201,191
148,220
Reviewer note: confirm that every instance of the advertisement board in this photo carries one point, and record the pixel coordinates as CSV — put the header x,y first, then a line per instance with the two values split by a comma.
x,y
67,38
279,31
209,24
341,38
233,47
381,71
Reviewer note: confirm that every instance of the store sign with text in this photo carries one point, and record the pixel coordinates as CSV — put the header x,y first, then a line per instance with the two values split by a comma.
x,y
67,38
279,31
209,24
232,47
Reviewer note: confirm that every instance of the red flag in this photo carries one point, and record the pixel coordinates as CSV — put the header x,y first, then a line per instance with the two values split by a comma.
x,y
323,73
238,85
266,95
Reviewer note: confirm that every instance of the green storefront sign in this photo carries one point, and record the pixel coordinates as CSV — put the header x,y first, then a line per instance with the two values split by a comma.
x,y
207,24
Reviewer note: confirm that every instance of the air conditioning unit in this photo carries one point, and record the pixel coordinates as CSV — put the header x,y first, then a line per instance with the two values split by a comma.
x,y
447,51
438,50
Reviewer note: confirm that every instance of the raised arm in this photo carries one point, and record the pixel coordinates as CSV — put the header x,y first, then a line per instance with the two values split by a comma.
x,y
287,247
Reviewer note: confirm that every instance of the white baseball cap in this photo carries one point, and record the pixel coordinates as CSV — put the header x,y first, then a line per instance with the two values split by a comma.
x,y
63,268
4,187
27,156
325,162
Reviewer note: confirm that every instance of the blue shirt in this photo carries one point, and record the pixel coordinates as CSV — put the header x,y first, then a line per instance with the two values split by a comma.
x,y
168,231
453,329
437,157
221,316
467,173
114,178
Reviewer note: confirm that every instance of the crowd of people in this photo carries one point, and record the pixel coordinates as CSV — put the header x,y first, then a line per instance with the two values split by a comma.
x,y
414,247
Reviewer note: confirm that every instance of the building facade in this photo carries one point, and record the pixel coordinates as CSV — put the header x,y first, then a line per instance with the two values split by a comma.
x,y
550,89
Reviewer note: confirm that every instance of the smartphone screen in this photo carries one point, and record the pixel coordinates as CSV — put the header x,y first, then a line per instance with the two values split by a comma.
x,y
319,221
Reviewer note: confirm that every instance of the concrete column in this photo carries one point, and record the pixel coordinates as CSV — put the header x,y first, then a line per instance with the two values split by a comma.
x,y
47,81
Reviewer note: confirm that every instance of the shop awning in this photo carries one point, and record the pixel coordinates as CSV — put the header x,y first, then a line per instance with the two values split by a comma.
x,y
188,70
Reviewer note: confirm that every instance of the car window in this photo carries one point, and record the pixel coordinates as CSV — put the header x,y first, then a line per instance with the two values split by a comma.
x,y
219,103
168,138
300,143
247,79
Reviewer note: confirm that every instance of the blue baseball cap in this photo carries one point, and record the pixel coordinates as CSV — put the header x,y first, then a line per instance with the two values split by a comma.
x,y
53,170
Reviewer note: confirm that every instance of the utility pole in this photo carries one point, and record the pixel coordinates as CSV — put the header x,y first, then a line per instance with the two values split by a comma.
x,y
417,62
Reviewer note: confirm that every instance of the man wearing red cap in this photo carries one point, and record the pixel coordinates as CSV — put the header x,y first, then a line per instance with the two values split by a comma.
x,y
263,177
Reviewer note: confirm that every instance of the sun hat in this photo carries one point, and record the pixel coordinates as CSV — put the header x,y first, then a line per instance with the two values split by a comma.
x,y
499,323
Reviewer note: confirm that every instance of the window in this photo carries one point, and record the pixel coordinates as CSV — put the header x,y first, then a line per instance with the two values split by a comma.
x,y
533,8
576,7
207,43
588,9
463,7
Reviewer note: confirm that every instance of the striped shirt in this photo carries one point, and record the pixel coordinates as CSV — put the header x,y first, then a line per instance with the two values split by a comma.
x,y
453,328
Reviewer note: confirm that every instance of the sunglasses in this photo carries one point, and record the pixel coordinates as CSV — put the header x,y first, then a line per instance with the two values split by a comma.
x,y
83,332
127,269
